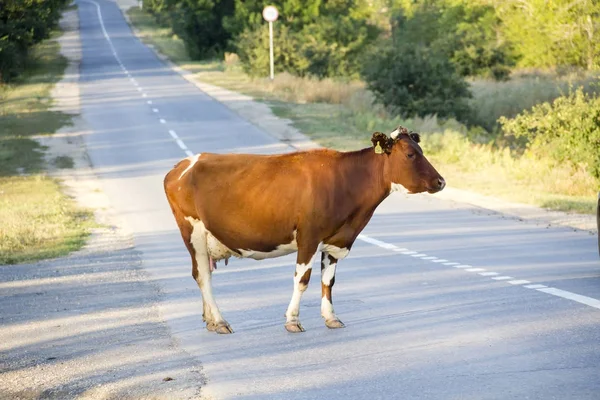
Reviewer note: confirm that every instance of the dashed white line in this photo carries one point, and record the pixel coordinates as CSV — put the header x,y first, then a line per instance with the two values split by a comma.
x,y
144,95
155,110
488,273
502,278
181,144
463,266
162,121
519,282
149,102
173,134
535,286
451,263
572,296
430,258
439,260
475,269
418,255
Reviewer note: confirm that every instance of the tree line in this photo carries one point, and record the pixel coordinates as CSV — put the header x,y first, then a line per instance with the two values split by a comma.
x,y
24,23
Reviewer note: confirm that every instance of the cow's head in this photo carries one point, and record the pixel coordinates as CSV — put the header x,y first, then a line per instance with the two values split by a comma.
x,y
406,164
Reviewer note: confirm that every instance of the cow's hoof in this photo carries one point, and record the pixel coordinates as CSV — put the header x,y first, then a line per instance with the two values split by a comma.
x,y
223,328
334,324
294,327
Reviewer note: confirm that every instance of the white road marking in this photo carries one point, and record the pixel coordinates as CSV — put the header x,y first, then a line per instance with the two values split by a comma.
x,y
162,121
155,110
144,95
502,278
488,273
418,255
439,260
519,282
475,269
401,249
430,258
149,102
173,134
535,286
451,263
139,89
463,266
572,296
409,252
181,145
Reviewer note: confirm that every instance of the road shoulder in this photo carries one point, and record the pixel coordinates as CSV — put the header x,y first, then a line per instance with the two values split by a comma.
x,y
87,325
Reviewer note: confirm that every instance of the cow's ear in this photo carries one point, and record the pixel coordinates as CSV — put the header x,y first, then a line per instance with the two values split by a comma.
x,y
382,143
415,136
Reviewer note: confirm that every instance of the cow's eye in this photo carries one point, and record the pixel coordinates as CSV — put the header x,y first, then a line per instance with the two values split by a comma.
x,y
410,155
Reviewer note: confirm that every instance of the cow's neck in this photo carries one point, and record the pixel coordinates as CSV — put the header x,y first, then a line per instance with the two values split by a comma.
x,y
367,177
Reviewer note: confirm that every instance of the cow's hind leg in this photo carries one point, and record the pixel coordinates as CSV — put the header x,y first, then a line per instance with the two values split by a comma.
x,y
203,275
301,278
328,265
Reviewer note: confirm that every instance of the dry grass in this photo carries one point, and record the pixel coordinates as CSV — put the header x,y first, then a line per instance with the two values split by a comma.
x,y
492,99
36,220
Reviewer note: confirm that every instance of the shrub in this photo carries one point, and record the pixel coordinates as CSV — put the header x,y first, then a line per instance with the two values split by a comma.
x,y
24,23
412,80
567,130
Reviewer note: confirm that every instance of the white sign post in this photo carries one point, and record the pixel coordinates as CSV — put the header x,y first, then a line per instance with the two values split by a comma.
x,y
270,14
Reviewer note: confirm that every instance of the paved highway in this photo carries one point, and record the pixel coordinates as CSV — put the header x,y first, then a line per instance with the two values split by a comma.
x,y
441,300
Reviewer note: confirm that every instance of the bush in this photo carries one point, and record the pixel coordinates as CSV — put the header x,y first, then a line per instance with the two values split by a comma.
x,y
567,130
24,23
411,80
199,23
322,41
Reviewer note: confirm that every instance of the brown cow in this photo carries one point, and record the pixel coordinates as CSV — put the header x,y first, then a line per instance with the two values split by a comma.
x,y
264,206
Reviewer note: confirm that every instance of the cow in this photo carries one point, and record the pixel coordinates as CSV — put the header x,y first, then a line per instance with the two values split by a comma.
x,y
265,206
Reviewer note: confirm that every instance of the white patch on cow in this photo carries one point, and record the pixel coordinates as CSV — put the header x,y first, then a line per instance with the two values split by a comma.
x,y
327,310
293,309
281,250
193,160
396,187
337,252
394,134
198,240
216,250
328,272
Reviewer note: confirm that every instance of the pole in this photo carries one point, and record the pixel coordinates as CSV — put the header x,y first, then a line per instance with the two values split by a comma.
x,y
272,75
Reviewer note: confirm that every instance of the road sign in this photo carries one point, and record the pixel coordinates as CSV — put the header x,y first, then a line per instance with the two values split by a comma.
x,y
270,13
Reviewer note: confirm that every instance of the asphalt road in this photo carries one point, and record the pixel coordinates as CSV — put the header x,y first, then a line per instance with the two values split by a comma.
x,y
425,317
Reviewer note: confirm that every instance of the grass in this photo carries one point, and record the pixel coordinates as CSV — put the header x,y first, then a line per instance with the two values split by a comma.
x,y
341,115
37,221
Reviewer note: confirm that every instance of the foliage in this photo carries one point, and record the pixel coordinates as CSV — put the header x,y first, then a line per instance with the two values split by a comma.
x,y
330,45
417,81
552,33
567,130
199,23
467,33
24,23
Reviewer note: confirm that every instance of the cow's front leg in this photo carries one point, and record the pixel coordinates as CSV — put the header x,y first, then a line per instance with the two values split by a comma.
x,y
301,279
328,265
202,273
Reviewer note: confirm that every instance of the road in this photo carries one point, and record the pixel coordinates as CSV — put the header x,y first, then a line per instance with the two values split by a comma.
x,y
426,315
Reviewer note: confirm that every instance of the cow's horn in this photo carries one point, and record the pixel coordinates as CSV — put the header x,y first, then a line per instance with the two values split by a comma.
x,y
395,133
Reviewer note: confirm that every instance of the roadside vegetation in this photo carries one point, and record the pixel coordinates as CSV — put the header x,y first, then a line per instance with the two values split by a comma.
x,y
36,219
495,119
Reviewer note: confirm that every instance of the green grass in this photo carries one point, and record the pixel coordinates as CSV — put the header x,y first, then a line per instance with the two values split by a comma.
x,y
36,220
342,115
